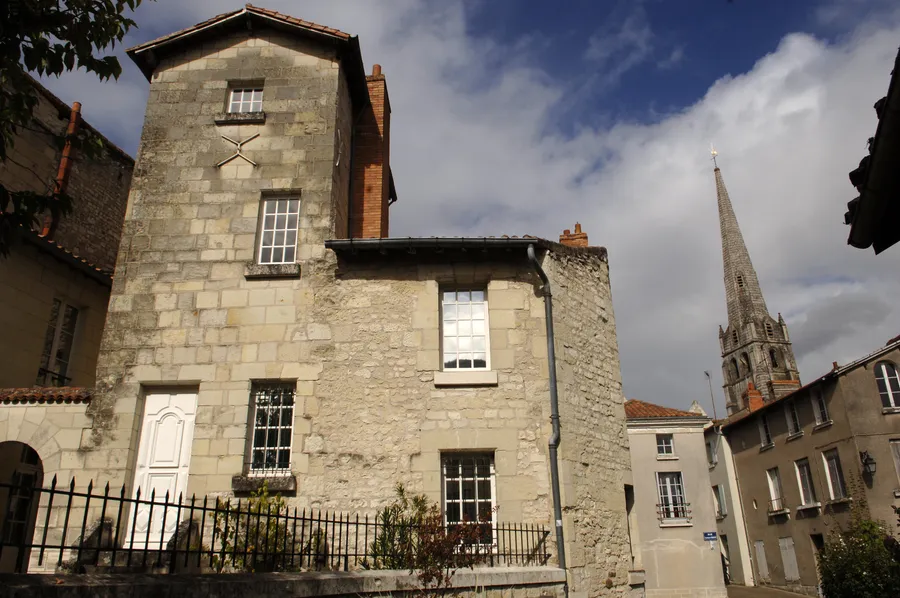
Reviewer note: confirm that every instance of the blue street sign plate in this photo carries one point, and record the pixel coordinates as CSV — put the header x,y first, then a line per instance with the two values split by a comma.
x,y
709,536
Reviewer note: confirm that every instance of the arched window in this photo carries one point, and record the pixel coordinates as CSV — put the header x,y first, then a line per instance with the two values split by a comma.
x,y
740,281
745,363
769,332
773,357
734,369
734,337
888,383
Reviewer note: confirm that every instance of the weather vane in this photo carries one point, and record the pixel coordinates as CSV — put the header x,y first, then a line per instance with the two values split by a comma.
x,y
713,153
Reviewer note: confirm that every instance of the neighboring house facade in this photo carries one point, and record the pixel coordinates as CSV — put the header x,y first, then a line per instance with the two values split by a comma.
x,y
806,460
674,509
56,284
53,298
262,326
732,532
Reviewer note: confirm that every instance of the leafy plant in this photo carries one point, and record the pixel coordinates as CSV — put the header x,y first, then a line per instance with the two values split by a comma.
x,y
411,535
857,562
48,37
253,536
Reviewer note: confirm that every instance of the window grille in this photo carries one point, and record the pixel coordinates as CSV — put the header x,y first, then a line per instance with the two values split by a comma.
x,y
464,329
469,493
278,233
245,100
672,505
273,428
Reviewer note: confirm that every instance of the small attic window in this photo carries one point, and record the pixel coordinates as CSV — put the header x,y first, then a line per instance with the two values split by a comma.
x,y
245,99
740,281
769,332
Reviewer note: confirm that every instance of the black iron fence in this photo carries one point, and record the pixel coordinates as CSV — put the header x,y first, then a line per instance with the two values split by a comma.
x,y
71,530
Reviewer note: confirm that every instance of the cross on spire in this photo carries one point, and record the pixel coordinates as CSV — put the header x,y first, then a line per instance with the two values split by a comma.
x,y
713,153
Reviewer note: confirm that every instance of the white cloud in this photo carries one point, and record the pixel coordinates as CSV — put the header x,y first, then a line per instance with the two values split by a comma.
x,y
475,152
623,43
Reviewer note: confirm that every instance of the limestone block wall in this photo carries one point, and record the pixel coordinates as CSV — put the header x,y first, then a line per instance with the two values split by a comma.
x,y
594,449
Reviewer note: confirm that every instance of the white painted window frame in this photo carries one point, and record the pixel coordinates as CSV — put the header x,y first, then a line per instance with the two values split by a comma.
x,y
831,482
445,456
245,99
776,489
804,499
456,336
680,487
793,417
268,239
765,432
255,389
665,446
820,408
888,373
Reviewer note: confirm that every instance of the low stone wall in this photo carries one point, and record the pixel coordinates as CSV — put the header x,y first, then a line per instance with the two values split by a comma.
x,y
515,582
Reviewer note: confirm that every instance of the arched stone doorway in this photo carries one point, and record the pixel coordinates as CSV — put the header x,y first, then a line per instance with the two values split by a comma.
x,y
21,477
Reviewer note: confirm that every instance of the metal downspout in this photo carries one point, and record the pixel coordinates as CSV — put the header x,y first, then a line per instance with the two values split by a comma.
x,y
554,412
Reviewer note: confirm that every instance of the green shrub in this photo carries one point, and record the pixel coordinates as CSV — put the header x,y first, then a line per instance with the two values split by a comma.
x,y
858,563
258,542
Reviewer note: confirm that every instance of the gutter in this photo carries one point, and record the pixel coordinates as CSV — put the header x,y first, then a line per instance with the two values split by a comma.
x,y
554,411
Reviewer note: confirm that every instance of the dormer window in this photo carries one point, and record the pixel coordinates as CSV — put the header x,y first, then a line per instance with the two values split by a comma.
x,y
247,99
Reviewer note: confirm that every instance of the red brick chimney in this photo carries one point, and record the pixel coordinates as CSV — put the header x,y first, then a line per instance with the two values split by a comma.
x,y
753,398
372,186
576,239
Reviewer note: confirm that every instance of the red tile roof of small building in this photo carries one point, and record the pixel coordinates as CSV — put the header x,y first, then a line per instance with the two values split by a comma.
x,y
54,394
635,409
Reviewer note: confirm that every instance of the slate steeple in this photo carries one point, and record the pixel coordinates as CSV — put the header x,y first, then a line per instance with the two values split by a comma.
x,y
756,347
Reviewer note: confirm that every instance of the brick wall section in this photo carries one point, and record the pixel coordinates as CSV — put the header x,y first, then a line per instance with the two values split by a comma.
x,y
371,163
98,186
594,448
576,239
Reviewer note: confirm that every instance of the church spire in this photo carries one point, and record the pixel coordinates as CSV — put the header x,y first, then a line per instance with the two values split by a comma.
x,y
742,290
756,348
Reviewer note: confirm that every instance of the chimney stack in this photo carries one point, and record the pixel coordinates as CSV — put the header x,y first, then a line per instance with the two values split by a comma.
x,y
753,398
576,239
372,187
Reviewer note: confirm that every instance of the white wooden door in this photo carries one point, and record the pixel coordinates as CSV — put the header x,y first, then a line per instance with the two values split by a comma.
x,y
164,455
789,558
762,565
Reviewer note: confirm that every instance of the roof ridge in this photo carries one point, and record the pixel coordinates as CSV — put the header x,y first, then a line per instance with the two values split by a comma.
x,y
637,409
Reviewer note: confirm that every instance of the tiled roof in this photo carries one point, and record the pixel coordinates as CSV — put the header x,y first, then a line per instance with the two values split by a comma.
x,y
635,409
69,257
248,9
58,394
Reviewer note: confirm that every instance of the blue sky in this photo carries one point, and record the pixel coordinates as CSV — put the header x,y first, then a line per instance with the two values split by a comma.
x,y
512,118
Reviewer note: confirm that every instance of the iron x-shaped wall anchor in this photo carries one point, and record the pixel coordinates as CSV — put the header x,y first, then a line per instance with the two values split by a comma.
x,y
239,146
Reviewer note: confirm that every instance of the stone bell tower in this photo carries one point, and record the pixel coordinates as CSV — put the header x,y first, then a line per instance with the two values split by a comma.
x,y
755,346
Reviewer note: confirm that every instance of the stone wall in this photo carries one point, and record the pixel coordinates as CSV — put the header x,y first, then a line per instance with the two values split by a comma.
x,y
594,449
513,582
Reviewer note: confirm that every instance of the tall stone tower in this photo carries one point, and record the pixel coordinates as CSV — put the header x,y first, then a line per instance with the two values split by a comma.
x,y
756,348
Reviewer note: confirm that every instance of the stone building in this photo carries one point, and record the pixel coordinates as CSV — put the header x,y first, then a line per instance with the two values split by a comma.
x,y
263,326
53,297
63,275
671,509
756,348
806,460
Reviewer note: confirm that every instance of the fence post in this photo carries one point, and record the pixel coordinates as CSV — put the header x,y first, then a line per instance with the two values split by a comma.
x,y
46,521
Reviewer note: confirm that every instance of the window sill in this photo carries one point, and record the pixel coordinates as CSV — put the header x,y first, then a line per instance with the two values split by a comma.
x,y
276,482
473,378
794,436
809,506
637,577
897,493
676,523
713,465
721,516
780,512
241,118
889,410
268,271
767,447
839,501
667,457
823,425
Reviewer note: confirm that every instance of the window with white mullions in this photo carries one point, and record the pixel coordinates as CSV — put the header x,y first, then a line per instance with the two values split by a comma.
x,y
805,481
469,491
58,341
245,100
765,434
665,445
464,329
819,407
273,428
888,383
672,505
278,233
793,418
